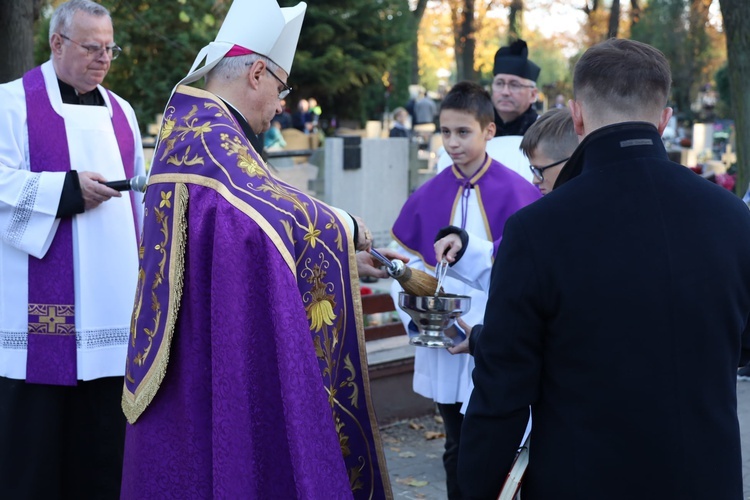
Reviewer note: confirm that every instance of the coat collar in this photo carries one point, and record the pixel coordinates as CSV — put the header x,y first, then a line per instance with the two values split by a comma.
x,y
620,142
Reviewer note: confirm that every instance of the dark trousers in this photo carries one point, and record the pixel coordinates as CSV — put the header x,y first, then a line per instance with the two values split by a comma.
x,y
452,420
61,442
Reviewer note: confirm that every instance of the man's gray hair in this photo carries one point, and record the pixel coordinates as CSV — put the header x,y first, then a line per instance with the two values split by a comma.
x,y
231,68
62,18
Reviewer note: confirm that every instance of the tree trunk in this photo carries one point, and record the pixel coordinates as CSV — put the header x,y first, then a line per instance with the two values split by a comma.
x,y
588,9
698,46
635,13
465,43
593,30
17,38
735,14
418,13
456,20
515,21
614,19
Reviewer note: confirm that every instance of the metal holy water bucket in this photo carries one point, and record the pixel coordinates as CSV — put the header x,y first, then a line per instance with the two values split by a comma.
x,y
433,316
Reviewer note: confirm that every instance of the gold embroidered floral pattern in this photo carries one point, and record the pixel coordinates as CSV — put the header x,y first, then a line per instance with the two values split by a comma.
x,y
312,235
350,381
166,129
288,230
191,126
333,224
321,305
165,200
355,475
245,161
163,220
327,327
185,159
247,164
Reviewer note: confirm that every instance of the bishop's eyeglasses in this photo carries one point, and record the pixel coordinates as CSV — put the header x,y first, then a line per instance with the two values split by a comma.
x,y
285,91
96,51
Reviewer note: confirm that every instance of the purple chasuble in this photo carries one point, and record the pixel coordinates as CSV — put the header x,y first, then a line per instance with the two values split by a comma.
x,y
500,193
246,371
51,352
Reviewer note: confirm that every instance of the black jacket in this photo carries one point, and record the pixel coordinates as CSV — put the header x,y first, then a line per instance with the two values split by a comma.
x,y
618,309
519,126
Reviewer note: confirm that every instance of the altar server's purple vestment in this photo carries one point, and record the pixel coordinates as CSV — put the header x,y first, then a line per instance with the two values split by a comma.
x,y
500,193
246,371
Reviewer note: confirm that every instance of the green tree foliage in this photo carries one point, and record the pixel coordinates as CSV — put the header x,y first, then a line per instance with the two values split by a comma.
x,y
680,29
345,49
556,75
41,38
160,40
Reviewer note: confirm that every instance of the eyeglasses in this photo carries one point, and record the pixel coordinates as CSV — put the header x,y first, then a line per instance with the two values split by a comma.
x,y
113,51
287,88
538,172
513,85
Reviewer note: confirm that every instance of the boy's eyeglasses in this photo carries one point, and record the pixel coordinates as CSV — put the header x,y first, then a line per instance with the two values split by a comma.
x,y
538,172
113,51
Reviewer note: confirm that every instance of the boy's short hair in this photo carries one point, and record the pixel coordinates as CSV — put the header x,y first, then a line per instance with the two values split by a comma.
x,y
471,98
553,134
398,111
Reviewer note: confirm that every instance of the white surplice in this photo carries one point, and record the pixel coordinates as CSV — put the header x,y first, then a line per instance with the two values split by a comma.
x,y
105,253
438,374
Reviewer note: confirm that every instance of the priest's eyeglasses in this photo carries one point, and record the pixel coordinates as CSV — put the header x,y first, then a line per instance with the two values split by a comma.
x,y
513,85
96,51
285,91
538,172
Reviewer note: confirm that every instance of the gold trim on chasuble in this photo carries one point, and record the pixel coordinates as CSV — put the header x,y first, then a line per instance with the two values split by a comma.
x,y
134,404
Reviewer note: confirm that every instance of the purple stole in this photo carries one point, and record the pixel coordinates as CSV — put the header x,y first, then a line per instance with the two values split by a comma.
x,y
201,143
51,353
500,192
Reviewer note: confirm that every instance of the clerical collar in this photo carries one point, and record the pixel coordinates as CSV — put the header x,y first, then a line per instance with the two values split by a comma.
x,y
255,139
71,96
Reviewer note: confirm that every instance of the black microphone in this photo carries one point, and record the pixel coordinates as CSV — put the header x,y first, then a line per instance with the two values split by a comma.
x,y
137,183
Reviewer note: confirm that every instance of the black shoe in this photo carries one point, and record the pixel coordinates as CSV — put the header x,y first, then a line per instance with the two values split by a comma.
x,y
744,373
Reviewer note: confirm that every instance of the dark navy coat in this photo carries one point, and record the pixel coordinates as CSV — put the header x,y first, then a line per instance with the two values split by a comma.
x,y
618,310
